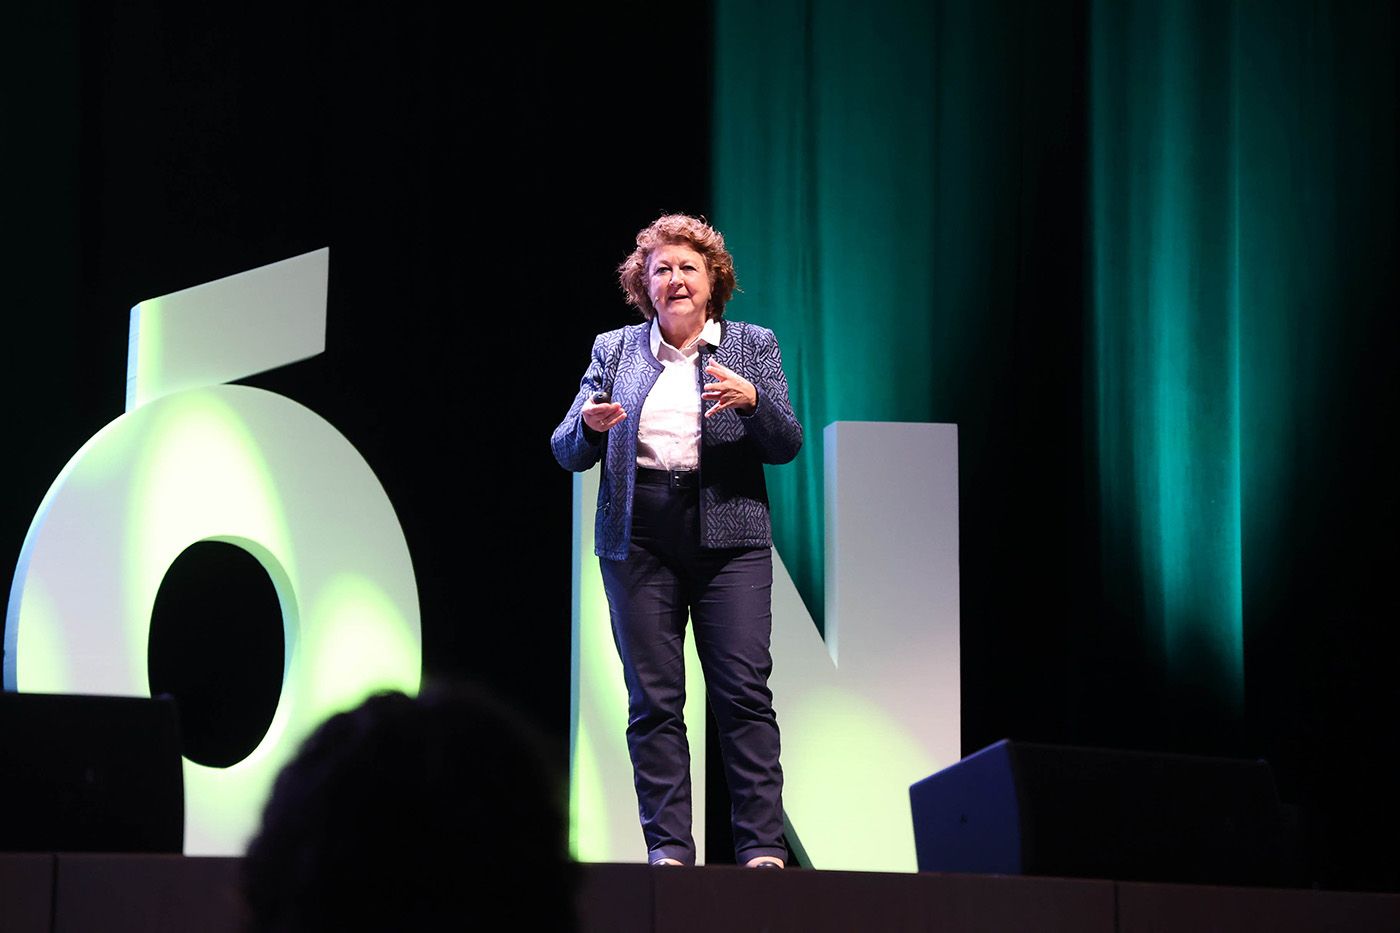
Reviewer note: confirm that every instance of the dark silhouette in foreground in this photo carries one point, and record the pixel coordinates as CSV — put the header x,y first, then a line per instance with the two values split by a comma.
x,y
435,812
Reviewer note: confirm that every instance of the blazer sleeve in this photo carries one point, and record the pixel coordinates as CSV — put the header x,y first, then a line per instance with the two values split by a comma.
x,y
577,446
772,426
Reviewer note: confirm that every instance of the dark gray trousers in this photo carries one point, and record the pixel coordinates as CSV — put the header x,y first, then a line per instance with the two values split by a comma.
x,y
728,595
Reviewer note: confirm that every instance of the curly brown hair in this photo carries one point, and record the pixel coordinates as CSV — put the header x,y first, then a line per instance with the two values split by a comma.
x,y
687,231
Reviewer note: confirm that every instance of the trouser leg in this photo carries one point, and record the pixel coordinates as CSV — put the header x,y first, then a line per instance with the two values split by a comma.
x,y
648,609
731,609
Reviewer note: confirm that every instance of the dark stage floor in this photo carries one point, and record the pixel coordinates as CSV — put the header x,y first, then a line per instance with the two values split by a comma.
x,y
155,894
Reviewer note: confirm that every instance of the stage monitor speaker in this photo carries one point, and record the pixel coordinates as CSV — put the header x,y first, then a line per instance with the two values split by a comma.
x,y
90,774
1019,808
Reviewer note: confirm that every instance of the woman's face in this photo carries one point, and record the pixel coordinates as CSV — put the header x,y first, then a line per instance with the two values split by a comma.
x,y
678,282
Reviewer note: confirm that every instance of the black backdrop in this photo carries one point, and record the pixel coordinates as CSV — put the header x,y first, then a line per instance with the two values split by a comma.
x,y
476,181
476,178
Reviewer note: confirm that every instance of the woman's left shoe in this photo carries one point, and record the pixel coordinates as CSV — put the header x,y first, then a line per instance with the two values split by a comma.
x,y
764,861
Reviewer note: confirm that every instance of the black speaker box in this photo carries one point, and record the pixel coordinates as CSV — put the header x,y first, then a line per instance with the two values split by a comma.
x,y
90,774
1019,808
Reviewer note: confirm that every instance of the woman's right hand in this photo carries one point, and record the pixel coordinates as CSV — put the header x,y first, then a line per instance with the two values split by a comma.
x,y
602,416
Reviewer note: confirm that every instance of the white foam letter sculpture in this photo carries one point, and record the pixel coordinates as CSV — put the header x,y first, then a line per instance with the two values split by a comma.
x,y
864,714
195,460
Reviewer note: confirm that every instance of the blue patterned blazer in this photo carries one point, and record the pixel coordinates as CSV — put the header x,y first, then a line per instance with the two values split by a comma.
x,y
733,447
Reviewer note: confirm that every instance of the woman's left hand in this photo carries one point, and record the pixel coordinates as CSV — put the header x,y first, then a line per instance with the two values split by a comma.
x,y
729,390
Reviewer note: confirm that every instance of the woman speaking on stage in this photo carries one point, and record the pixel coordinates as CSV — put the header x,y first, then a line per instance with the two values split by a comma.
x,y
684,409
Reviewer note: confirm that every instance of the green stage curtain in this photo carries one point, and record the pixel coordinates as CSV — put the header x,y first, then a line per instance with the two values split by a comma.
x,y
1141,252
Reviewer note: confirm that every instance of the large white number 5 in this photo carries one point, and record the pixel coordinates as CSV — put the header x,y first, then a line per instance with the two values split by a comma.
x,y
195,460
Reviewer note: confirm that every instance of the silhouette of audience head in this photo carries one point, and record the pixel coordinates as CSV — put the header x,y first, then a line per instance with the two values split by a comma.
x,y
414,814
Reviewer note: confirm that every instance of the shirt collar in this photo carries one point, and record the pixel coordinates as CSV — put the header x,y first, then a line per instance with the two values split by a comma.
x,y
710,334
